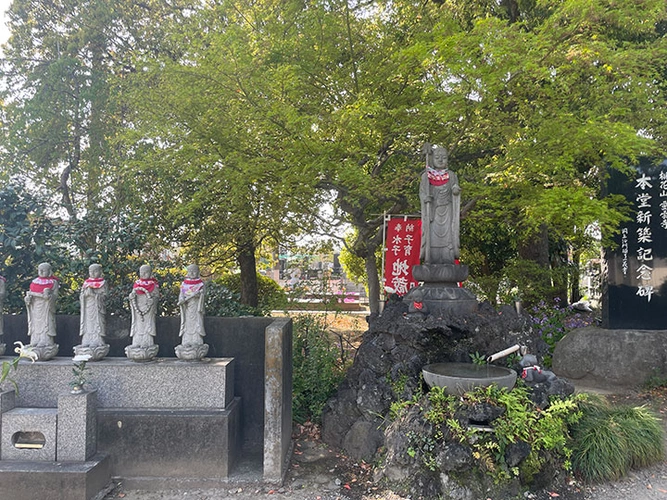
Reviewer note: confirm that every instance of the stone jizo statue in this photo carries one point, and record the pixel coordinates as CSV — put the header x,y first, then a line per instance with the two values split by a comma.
x,y
93,315
3,294
191,304
143,305
440,196
440,272
40,301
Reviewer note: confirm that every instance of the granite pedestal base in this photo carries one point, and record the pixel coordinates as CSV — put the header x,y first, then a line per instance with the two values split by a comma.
x,y
29,434
176,443
445,298
440,289
33,480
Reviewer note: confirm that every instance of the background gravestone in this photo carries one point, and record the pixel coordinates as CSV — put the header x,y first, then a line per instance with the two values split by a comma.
x,y
635,294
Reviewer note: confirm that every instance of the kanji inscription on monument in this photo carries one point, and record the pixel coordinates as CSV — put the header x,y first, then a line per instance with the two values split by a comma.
x,y
636,291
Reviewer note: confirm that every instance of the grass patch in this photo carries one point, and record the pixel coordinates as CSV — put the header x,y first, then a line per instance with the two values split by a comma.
x,y
609,441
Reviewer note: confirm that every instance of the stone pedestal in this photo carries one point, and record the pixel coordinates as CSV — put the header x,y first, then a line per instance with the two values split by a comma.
x,y
29,434
96,352
441,291
191,352
440,273
66,433
77,426
7,402
45,352
139,353
20,480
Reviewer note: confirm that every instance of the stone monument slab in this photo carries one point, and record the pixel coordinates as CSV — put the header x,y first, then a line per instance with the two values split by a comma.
x,y
635,291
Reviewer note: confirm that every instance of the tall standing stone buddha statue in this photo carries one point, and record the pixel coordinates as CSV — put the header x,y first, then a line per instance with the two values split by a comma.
x,y
440,271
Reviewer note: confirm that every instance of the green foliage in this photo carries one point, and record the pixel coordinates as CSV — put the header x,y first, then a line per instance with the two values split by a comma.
x,y
655,381
529,281
114,240
442,406
544,430
609,441
270,295
478,359
553,322
234,137
353,266
7,367
26,239
220,301
79,375
317,368
400,403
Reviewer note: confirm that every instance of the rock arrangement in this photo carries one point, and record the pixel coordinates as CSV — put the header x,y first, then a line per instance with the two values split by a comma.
x,y
387,368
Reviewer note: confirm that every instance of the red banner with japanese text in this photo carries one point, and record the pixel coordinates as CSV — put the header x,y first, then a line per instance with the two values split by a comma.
x,y
403,239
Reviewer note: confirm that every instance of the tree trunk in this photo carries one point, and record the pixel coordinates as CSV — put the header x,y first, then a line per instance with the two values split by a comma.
x,y
575,272
373,282
248,265
537,284
536,247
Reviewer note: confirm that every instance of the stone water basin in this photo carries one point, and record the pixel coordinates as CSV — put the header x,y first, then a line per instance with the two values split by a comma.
x,y
458,378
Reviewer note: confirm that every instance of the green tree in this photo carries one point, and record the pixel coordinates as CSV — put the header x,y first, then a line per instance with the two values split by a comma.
x,y
558,97
26,239
60,110
211,128
534,100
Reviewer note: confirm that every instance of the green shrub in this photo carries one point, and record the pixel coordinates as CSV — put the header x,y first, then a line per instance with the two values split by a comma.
x,y
546,431
553,322
317,369
220,301
609,441
270,295
532,281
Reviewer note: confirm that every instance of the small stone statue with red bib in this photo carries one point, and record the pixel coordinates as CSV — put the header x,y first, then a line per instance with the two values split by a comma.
x,y
143,305
191,303
93,315
40,301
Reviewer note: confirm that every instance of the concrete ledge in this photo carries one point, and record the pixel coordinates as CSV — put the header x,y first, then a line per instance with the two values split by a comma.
x,y
121,383
603,358
185,444
55,480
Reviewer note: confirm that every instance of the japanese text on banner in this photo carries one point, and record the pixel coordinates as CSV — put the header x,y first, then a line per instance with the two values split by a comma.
x,y
403,241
